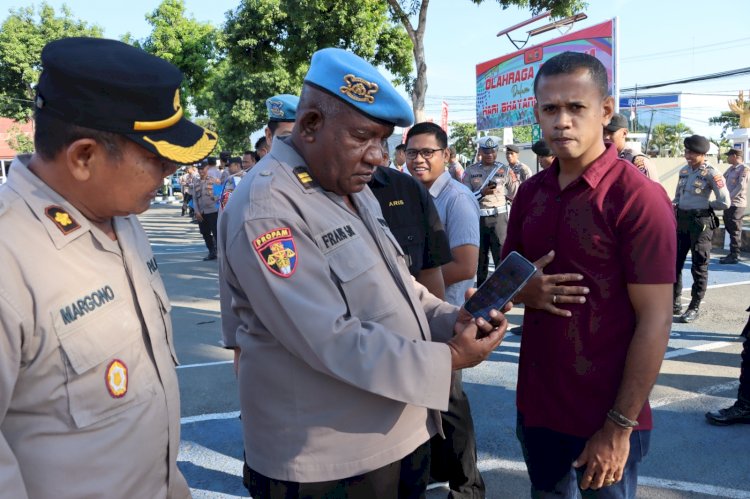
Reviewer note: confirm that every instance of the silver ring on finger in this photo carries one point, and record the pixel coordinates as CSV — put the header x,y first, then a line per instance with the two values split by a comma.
x,y
554,299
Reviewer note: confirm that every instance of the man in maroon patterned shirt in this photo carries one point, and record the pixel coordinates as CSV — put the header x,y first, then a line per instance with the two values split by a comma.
x,y
583,415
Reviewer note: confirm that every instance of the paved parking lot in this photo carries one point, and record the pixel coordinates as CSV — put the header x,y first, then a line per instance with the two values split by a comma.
x,y
688,458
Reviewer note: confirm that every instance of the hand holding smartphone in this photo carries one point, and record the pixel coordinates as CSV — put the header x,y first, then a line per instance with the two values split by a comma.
x,y
504,283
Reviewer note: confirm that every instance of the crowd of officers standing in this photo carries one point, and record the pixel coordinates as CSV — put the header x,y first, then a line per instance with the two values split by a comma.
x,y
317,300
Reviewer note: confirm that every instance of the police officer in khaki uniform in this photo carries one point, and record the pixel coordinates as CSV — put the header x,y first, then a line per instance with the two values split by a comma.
x,y
494,185
521,170
206,200
89,403
343,366
736,178
617,132
696,220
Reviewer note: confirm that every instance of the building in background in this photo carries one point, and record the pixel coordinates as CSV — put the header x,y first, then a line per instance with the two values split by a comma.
x,y
7,153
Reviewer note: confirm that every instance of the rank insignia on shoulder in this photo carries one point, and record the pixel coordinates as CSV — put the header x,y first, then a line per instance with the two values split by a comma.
x,y
277,250
116,379
684,171
62,219
303,175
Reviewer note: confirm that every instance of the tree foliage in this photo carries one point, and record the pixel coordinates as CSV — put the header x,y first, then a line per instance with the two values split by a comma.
x,y
407,11
190,45
19,141
462,137
22,36
728,121
669,138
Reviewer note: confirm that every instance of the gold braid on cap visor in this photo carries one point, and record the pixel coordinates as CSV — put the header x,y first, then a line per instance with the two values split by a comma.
x,y
184,155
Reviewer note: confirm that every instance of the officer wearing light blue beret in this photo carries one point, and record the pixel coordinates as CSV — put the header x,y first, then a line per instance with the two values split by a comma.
x,y
282,111
343,361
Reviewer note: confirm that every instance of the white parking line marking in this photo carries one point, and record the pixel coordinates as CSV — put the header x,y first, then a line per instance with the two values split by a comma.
x,y
698,348
205,364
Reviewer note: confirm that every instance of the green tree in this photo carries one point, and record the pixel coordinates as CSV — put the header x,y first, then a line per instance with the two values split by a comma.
x,y
728,121
22,36
270,43
404,11
462,136
190,45
522,134
668,138
19,141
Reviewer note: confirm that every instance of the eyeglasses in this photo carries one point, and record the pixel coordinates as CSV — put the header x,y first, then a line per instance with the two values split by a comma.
x,y
425,153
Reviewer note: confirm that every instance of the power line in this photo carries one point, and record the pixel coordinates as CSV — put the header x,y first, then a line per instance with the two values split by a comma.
x,y
712,76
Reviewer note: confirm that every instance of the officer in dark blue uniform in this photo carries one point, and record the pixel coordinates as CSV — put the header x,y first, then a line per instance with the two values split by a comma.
x,y
696,220
411,215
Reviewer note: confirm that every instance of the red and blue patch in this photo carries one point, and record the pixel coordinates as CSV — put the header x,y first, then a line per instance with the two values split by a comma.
x,y
278,251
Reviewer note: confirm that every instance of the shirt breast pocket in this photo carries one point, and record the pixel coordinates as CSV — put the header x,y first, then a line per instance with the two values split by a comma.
x,y
106,364
359,274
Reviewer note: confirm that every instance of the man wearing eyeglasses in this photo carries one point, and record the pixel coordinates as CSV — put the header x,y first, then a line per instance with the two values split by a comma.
x,y
494,185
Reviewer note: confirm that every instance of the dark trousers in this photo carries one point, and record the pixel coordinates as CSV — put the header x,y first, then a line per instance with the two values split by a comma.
x,y
743,393
492,231
733,225
404,479
207,227
186,198
454,459
693,234
549,454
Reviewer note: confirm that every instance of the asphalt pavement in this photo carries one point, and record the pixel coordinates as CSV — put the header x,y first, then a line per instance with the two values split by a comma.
x,y
688,458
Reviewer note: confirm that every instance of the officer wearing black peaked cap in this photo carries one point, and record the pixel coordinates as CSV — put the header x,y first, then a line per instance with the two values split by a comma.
x,y
85,337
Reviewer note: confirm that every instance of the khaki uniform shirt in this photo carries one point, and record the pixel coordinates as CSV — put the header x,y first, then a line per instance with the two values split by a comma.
x,y
522,171
506,180
204,198
736,178
338,373
642,162
89,403
694,187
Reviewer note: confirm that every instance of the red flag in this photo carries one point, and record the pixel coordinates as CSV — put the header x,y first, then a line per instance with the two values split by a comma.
x,y
444,117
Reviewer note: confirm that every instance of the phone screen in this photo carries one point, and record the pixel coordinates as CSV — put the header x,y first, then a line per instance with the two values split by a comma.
x,y
507,279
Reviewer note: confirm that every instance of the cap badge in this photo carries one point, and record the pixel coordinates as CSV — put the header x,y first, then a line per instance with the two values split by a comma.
x,y
145,126
359,89
278,251
61,219
275,107
116,379
489,144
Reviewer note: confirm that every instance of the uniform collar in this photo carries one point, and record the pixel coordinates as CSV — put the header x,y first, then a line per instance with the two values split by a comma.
x,y
380,178
63,222
293,164
439,184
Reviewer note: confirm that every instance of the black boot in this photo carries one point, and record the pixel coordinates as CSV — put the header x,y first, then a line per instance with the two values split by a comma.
x,y
731,258
738,413
677,307
692,312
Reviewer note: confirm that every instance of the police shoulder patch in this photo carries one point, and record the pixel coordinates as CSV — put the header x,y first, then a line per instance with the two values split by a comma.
x,y
61,219
719,179
277,250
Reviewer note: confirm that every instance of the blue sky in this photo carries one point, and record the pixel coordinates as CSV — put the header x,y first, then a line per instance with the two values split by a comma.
x,y
658,41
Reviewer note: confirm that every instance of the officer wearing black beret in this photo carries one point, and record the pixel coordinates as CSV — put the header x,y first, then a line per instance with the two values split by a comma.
x,y
544,154
85,336
696,220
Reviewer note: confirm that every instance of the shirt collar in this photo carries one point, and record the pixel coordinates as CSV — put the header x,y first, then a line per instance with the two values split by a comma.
x,y
593,174
63,222
439,184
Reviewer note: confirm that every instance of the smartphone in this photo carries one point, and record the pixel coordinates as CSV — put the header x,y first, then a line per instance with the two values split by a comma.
x,y
507,280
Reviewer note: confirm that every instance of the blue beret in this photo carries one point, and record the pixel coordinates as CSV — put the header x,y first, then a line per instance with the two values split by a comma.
x,y
489,142
356,82
282,107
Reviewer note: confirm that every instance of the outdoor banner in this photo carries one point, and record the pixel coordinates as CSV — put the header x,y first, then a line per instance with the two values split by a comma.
x,y
505,85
